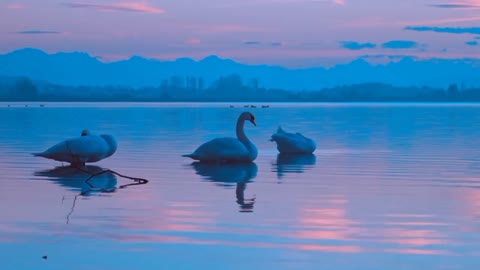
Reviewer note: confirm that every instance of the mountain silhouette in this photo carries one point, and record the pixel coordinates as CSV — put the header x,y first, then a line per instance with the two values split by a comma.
x,y
78,68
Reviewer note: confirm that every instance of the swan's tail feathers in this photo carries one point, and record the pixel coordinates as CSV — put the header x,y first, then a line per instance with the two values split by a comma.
x,y
280,130
192,156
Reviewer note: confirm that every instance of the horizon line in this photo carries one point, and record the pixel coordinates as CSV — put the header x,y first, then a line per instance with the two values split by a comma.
x,y
368,58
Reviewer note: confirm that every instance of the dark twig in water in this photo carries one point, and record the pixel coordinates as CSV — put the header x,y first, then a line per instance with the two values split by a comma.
x,y
78,165
73,207
138,181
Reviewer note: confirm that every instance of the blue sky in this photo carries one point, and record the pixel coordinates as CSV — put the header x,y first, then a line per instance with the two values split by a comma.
x,y
293,33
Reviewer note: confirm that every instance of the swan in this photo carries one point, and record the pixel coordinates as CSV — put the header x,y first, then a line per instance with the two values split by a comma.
x,y
228,149
293,143
77,151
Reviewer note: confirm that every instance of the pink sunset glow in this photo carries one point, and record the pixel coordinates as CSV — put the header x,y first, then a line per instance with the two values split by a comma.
x,y
284,32
121,6
17,6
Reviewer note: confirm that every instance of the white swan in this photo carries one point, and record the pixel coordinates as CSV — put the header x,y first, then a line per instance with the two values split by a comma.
x,y
293,143
239,149
84,149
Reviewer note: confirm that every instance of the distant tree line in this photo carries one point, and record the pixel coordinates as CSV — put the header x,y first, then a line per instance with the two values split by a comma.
x,y
22,89
231,88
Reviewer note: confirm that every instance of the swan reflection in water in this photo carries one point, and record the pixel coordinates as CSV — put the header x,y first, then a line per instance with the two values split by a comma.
x,y
88,180
229,173
76,179
293,163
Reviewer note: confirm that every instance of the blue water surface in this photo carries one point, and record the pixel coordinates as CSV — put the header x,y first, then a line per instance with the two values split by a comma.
x,y
391,186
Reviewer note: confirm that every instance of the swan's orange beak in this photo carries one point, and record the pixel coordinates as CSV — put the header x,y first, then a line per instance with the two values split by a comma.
x,y
253,122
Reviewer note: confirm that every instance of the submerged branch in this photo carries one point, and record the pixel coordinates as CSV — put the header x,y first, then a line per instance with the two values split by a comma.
x,y
72,208
137,181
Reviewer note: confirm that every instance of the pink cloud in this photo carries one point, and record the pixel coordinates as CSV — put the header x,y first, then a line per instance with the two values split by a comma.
x,y
219,29
441,21
338,2
471,4
193,41
122,6
17,6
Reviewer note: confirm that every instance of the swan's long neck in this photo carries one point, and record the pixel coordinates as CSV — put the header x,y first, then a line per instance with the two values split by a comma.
x,y
240,133
252,149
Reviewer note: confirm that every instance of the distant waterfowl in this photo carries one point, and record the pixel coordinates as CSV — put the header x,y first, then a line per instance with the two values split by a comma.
x,y
87,148
228,149
293,143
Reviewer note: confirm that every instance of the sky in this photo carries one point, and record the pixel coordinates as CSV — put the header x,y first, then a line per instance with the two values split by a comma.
x,y
290,33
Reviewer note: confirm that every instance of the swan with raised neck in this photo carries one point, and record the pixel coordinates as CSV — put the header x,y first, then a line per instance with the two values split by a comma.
x,y
228,149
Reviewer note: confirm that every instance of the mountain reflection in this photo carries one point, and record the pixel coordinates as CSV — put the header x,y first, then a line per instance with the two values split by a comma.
x,y
292,163
99,179
227,174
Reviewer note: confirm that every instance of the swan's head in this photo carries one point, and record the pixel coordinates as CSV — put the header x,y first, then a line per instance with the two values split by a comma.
x,y
248,116
85,132
112,143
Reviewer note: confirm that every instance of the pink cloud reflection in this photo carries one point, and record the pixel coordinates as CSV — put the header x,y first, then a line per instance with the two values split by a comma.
x,y
340,249
178,218
328,223
193,241
418,251
413,237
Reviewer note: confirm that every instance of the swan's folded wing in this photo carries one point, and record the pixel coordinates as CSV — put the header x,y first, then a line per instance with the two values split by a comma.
x,y
284,136
57,152
87,148
293,143
222,148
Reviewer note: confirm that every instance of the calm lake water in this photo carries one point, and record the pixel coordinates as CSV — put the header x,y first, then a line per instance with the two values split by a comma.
x,y
392,186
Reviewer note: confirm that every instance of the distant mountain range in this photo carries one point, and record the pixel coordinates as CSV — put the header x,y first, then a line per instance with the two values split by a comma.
x,y
78,68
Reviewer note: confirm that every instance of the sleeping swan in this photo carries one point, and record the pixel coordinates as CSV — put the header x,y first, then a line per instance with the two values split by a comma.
x,y
293,143
228,149
80,150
